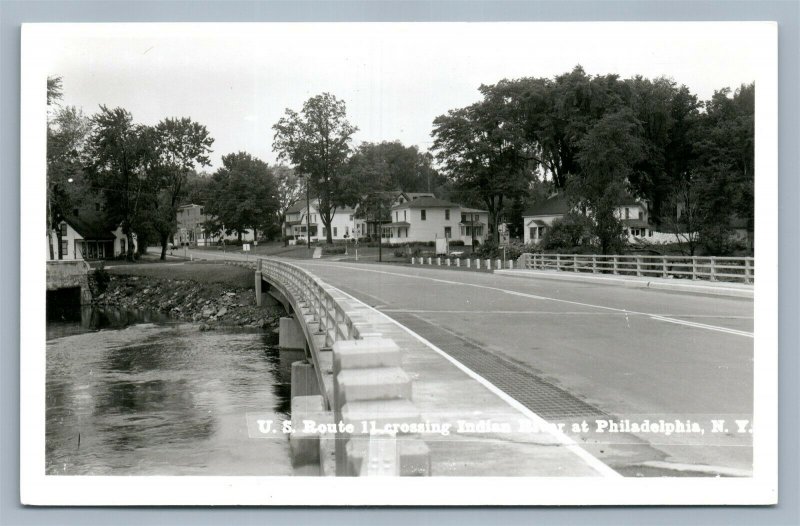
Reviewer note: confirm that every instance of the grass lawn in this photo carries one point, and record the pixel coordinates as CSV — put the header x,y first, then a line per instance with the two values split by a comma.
x,y
200,272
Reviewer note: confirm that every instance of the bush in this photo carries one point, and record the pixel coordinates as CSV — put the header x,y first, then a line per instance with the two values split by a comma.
x,y
567,233
333,249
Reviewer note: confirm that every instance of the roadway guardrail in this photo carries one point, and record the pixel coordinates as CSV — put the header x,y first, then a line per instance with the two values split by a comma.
x,y
710,268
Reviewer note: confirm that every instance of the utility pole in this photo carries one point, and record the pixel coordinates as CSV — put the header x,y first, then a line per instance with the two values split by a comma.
x,y
472,220
308,214
380,231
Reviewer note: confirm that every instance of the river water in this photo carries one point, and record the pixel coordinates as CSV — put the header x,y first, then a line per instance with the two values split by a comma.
x,y
161,398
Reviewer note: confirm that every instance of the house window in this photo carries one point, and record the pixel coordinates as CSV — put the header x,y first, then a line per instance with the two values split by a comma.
x,y
447,232
63,229
64,248
396,216
627,213
478,230
463,217
640,214
325,231
404,216
351,217
334,232
447,214
422,215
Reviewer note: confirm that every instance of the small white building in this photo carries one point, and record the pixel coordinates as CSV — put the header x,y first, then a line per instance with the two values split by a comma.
x,y
426,219
88,240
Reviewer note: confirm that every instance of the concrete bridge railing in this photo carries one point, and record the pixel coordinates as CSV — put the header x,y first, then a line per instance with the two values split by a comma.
x,y
364,395
711,268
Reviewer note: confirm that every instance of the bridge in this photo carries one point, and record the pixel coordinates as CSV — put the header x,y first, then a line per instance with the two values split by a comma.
x,y
68,280
513,365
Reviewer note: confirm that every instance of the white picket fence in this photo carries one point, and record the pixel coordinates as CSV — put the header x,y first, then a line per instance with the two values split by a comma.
x,y
470,263
709,268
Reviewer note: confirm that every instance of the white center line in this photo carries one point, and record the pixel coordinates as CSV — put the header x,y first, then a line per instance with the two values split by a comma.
x,y
546,298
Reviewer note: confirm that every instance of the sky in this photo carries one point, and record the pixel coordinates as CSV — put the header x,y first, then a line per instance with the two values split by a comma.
x,y
238,79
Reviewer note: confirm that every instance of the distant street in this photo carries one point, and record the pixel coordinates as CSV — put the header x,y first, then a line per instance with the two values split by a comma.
x,y
624,353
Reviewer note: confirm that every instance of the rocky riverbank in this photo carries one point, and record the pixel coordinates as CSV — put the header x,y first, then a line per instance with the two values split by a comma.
x,y
210,304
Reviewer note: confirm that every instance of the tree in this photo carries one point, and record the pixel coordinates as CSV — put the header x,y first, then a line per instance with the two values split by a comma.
x,y
685,217
180,146
289,190
317,142
121,157
242,195
388,166
484,152
607,156
67,131
725,165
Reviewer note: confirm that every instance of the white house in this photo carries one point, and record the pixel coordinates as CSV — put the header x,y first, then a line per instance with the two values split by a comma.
x,y
392,198
427,218
344,224
84,238
632,213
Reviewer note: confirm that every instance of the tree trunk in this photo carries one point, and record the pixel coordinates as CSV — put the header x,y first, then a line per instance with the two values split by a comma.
x,y
58,243
239,236
164,242
129,248
328,231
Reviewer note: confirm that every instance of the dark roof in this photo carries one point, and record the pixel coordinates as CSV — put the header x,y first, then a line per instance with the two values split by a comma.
x,y
297,207
90,230
399,223
537,222
555,205
427,202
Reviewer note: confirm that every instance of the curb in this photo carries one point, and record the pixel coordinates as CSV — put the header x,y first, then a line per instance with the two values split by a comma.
x,y
633,284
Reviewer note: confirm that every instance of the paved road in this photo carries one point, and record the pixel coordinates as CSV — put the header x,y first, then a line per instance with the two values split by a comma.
x,y
570,349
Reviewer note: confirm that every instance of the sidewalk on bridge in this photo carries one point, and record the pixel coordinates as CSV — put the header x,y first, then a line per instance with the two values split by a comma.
x,y
489,434
718,288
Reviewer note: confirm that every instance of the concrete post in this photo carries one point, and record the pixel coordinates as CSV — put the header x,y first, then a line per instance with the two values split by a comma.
x,y
458,262
291,335
468,263
304,379
478,264
447,262
488,264
498,264
259,283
